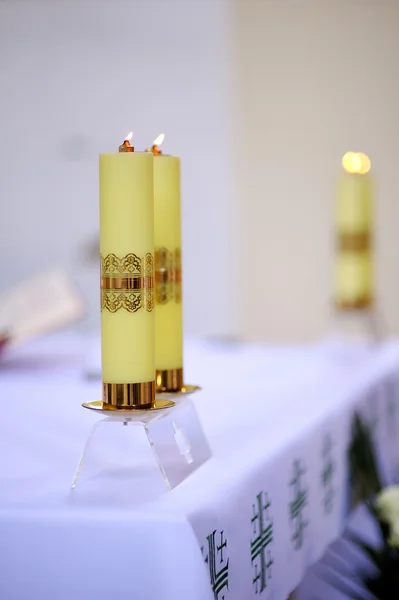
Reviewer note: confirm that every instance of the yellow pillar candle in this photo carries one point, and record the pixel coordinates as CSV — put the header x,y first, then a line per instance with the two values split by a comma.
x,y
127,278
168,300
354,264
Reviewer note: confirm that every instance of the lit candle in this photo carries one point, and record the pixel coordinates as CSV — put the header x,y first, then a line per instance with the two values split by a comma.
x,y
127,277
168,309
354,266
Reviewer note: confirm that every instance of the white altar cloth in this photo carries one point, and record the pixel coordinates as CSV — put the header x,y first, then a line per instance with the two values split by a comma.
x,y
246,525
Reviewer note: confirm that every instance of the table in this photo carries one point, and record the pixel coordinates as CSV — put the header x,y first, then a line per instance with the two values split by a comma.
x,y
246,525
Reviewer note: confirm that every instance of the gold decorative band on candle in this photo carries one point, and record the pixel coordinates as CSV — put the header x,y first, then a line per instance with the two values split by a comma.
x,y
169,380
131,264
127,283
354,242
167,275
129,395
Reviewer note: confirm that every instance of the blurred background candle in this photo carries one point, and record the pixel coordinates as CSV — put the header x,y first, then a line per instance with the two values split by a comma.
x,y
168,310
127,299
354,267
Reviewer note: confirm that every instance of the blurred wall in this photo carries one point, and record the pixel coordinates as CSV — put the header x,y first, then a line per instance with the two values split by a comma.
x,y
313,79
76,77
259,97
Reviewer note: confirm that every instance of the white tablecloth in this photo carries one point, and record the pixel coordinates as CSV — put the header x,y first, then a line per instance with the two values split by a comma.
x,y
246,525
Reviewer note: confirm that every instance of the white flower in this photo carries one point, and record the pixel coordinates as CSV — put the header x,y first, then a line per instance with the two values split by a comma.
x,y
388,505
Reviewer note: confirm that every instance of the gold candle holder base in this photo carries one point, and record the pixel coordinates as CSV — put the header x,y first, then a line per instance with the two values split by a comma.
x,y
185,390
110,410
170,382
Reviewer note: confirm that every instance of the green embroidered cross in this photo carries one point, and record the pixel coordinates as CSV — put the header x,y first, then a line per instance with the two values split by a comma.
x,y
327,475
219,578
296,506
261,557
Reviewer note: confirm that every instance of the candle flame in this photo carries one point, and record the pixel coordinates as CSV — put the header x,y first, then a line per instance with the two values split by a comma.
x,y
158,141
366,163
129,136
356,163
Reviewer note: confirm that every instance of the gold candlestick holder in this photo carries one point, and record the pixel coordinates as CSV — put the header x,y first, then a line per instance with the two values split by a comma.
x,y
171,382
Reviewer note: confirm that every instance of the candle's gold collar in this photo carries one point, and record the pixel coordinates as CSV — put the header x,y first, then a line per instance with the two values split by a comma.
x,y
356,163
169,380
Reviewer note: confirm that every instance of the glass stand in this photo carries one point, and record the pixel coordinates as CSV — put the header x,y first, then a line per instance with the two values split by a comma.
x,y
137,445
356,327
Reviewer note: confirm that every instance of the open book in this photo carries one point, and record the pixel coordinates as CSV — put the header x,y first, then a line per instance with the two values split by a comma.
x,y
43,303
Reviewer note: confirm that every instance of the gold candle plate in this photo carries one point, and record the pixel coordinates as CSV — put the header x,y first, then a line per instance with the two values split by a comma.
x,y
183,391
109,409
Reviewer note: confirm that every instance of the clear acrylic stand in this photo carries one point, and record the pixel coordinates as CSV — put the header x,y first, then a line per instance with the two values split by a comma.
x,y
134,445
356,327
